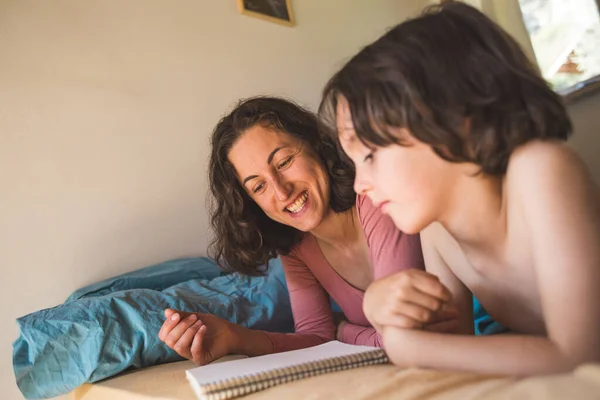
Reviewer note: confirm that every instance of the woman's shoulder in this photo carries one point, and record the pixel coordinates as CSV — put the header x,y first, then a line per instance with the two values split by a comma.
x,y
301,248
303,257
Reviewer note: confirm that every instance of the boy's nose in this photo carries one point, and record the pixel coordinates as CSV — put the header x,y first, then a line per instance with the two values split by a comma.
x,y
361,186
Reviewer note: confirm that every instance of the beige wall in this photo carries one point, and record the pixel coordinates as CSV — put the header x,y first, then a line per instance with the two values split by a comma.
x,y
585,113
105,111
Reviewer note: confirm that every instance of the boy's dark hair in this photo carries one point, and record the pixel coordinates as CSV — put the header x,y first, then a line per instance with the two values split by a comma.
x,y
245,237
456,81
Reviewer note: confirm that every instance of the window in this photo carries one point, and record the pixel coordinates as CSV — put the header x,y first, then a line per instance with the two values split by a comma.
x,y
565,35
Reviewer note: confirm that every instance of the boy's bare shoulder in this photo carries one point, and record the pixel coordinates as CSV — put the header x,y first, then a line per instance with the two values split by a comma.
x,y
548,177
543,161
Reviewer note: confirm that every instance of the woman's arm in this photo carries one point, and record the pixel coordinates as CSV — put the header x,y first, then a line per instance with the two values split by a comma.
x,y
204,338
359,335
311,307
390,251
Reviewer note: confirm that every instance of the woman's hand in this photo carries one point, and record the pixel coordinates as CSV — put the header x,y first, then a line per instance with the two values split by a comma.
x,y
411,299
202,338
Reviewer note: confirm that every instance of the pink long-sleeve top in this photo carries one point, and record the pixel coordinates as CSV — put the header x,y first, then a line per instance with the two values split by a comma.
x,y
312,281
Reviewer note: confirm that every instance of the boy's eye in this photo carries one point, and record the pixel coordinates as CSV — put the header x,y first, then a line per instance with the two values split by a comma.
x,y
369,157
285,163
258,187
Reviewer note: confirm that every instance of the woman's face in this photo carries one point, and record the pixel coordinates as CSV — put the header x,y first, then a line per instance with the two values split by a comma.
x,y
283,176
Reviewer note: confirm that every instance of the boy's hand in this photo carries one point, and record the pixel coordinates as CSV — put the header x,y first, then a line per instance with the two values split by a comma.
x,y
199,337
411,299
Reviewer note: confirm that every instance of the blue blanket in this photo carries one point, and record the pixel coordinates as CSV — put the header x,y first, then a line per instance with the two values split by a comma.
x,y
108,327
484,324
111,326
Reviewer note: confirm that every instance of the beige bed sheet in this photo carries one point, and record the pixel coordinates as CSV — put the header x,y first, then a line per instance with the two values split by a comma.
x,y
168,382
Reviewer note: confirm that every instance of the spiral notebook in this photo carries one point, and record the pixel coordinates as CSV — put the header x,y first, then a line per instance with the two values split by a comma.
x,y
231,379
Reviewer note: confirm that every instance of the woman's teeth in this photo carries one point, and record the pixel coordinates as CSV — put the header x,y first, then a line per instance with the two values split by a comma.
x,y
298,205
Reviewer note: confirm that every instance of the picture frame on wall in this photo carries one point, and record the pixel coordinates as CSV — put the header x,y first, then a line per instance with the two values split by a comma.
x,y
277,11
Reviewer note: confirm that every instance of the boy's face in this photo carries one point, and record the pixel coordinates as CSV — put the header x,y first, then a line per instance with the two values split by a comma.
x,y
410,183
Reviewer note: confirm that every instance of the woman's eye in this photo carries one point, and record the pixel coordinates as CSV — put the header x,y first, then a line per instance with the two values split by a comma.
x,y
285,163
258,188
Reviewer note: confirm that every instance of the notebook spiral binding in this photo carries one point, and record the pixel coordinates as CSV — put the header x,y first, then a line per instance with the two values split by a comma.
x,y
236,387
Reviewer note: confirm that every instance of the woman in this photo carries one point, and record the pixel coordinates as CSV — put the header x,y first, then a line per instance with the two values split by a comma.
x,y
281,188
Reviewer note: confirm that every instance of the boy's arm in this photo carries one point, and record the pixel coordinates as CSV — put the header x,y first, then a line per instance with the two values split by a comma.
x,y
496,354
561,209
434,264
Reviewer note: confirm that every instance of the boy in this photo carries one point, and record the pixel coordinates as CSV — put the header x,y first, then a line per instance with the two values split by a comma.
x,y
454,134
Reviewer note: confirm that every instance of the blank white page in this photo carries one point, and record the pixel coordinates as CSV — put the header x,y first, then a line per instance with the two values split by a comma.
x,y
212,373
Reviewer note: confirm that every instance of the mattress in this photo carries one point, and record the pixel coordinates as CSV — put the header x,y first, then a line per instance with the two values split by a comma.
x,y
168,382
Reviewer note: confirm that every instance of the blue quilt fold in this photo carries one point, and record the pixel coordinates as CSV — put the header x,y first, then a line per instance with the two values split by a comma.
x,y
108,327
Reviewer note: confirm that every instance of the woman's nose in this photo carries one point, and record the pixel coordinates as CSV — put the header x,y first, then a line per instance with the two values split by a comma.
x,y
283,189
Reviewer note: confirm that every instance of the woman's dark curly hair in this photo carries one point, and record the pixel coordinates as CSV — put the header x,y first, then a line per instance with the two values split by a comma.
x,y
245,237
